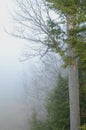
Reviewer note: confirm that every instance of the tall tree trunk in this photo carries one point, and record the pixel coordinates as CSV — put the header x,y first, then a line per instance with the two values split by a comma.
x,y
74,97
73,85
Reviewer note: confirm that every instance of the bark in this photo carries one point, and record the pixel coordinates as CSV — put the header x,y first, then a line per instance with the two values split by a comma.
x,y
73,85
74,97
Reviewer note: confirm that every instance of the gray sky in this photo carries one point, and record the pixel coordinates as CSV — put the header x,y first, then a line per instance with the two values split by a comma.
x,y
10,49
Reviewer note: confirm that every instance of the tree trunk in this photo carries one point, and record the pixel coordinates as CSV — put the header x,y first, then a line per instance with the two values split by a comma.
x,y
73,85
74,97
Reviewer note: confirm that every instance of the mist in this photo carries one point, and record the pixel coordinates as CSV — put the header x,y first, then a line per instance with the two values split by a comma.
x,y
21,81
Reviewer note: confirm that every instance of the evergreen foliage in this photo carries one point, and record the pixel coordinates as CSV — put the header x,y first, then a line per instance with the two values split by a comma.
x,y
36,124
57,105
73,45
76,37
70,43
82,80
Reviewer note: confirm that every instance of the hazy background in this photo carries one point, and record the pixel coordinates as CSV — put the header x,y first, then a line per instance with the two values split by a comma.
x,y
23,85
13,113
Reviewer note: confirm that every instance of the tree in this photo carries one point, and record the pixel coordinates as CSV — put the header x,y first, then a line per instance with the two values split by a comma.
x,y
57,106
68,42
72,10
57,109
82,77
36,124
42,80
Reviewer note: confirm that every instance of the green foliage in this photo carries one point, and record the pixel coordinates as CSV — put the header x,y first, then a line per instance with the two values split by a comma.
x,y
83,127
36,124
68,6
58,106
58,40
83,104
82,80
76,37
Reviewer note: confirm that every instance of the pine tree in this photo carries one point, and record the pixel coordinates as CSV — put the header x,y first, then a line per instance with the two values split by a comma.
x,y
74,13
58,106
57,109
70,42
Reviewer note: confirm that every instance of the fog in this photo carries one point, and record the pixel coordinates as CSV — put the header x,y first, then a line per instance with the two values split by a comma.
x,y
13,115
15,75
12,106
21,83
18,78
15,78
